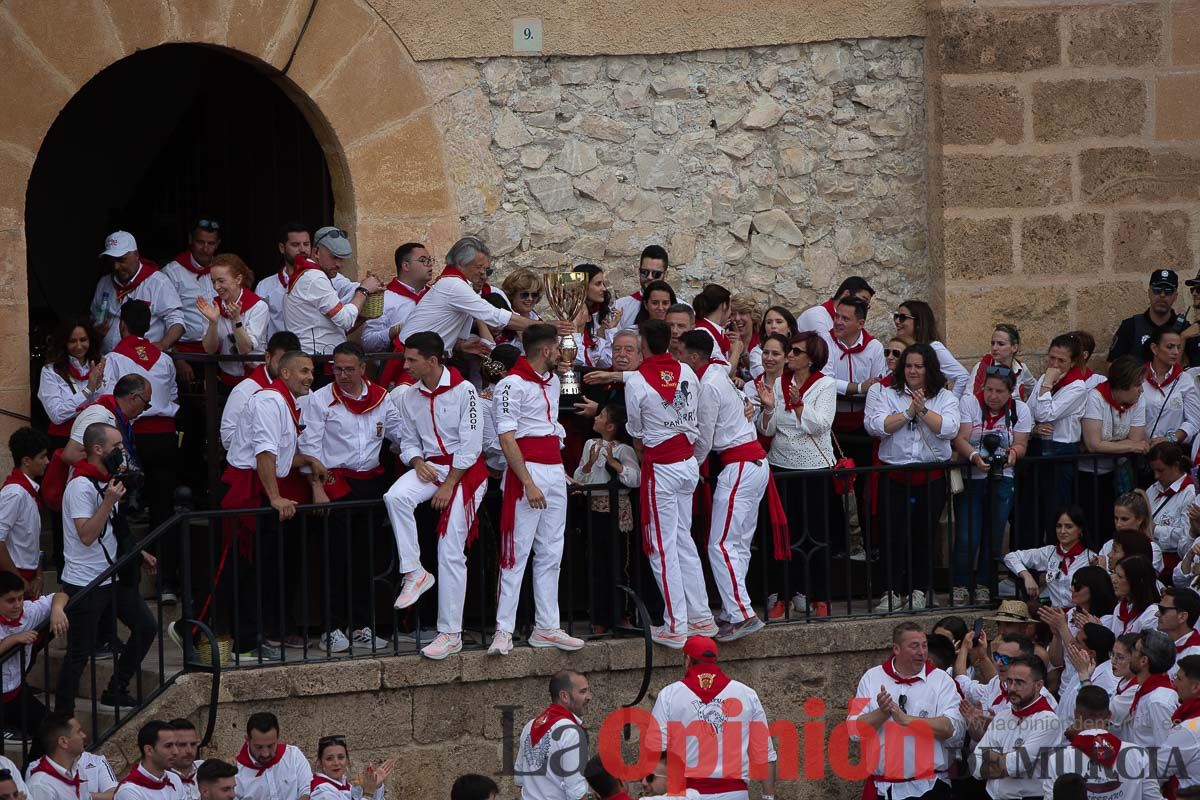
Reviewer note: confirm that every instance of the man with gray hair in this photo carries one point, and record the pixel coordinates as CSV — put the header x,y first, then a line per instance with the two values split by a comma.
x,y
1149,716
452,302
680,319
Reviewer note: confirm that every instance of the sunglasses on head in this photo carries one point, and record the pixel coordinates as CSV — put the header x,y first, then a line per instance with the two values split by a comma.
x,y
652,274
208,225
336,739
893,353
336,233
899,317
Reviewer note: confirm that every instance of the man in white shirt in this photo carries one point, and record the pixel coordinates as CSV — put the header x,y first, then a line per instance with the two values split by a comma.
x,y
331,248
1179,754
1178,612
1009,753
413,267
133,278
90,514
148,779
345,425
57,774
182,771
652,266
533,514
739,748
268,769
1156,699
281,342
741,484
21,508
312,308
442,441
189,272
294,241
217,780
821,317
553,748
906,699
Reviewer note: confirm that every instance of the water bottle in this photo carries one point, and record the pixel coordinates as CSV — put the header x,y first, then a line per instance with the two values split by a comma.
x,y
100,309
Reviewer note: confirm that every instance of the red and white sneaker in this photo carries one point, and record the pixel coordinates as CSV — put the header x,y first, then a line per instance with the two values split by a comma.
x,y
661,635
554,638
445,644
501,644
705,628
415,584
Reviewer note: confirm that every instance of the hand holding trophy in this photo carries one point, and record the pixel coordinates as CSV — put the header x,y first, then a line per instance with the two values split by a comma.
x,y
566,290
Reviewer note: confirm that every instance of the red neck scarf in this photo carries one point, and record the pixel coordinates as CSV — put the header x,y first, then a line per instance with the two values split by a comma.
x,y
185,778
1067,557
864,339
279,386
706,681
75,372
21,479
319,779
455,379
662,373
140,351
260,376
830,307
1192,640
1105,390
1183,484
139,777
525,371
1174,372
1160,681
1126,614
1101,748
299,267
247,300
545,721
718,335
1188,709
145,270
704,368
790,378
455,272
889,667
186,261
48,769
375,395
1041,704
246,760
14,621
637,295
402,289
990,421
84,469
1071,375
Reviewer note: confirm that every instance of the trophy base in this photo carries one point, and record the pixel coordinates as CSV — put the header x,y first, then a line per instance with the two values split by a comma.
x,y
571,391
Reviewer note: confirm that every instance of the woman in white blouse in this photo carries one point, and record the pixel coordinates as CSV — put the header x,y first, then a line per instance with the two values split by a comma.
x,y
237,317
1113,427
331,780
1136,587
71,376
915,318
1057,562
596,321
775,348
797,411
1170,496
1172,401
914,419
1006,343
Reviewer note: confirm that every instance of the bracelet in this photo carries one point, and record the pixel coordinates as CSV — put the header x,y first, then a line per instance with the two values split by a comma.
x,y
971,458
358,289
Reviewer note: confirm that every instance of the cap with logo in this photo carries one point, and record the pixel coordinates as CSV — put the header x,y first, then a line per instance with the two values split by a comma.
x,y
701,649
1164,279
334,240
118,244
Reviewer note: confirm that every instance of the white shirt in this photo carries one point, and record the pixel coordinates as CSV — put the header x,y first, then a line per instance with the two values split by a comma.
x,y
801,437
343,791
396,309
47,787
127,790
449,423
1146,621
190,285
157,290
990,696
631,472
553,768
1151,717
21,524
343,286
492,453
600,353
818,318
1046,559
1062,408
265,426
1114,426
933,695
33,614
164,391
97,773
1102,676
337,437
720,355
1172,528
234,405
1036,732
1119,782
255,320
313,310
971,412
272,290
653,420
88,417
1183,649
1179,753
1171,406
629,306
450,304
1156,556
1025,381
721,414
954,372
846,367
677,703
62,399
85,562
913,442
288,780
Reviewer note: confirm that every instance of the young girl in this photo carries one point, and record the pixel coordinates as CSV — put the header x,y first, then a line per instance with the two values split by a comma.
x,y
331,780
603,458
1059,562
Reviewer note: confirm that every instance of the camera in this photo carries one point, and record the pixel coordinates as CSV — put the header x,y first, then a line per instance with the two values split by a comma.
x,y
124,471
993,454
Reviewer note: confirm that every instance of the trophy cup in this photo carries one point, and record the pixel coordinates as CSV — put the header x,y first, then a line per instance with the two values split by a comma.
x,y
566,290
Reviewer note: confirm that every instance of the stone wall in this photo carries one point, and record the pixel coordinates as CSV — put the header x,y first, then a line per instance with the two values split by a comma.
x,y
777,170
1066,161
439,719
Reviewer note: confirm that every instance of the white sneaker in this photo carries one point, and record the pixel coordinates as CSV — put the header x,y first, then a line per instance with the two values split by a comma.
x,y
917,599
961,596
983,596
799,603
554,638
706,628
501,644
415,585
366,639
444,645
890,601
334,642
660,635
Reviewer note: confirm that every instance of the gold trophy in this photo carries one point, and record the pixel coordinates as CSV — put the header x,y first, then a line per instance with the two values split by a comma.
x,y
566,291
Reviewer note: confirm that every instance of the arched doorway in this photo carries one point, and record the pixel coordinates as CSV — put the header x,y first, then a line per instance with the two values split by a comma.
x,y
151,144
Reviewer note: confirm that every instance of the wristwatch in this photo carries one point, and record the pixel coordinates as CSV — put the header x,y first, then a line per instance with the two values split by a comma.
x,y
238,325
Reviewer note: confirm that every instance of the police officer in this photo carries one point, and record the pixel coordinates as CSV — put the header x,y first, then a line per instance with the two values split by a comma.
x,y
1135,331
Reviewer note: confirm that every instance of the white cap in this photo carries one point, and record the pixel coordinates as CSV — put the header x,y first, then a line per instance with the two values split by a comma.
x,y
118,244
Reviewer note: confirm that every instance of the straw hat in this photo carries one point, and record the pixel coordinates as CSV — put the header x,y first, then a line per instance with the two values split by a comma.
x,y
1011,611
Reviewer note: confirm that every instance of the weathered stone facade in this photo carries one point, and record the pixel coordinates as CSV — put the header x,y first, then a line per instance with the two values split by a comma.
x,y
777,170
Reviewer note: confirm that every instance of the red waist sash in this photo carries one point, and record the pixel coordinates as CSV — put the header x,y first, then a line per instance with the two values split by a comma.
x,y
475,476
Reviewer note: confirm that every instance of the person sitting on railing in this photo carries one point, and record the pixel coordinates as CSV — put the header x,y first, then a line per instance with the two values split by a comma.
x,y
606,457
259,378
217,780
236,317
21,713
67,771
413,267
149,777
345,424
21,508
332,780
182,770
92,524
915,418
268,769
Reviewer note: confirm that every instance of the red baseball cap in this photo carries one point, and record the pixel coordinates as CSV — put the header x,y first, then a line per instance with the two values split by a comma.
x,y
701,649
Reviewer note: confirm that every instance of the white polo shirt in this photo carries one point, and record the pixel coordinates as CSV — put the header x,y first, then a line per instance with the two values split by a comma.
x,y
338,437
48,781
130,789
266,426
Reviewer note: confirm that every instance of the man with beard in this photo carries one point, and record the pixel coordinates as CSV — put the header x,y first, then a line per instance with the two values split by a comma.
x,y
652,266
1009,754
312,307
294,242
1134,332
268,769
132,277
413,267
553,749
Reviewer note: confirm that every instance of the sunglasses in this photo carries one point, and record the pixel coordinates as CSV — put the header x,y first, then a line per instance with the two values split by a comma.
x,y
998,371
534,296
893,353
208,225
652,274
898,317
336,233
1162,291
799,351
1001,659
1164,609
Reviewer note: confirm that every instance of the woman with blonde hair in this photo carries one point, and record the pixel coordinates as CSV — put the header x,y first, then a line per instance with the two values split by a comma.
x,y
743,316
237,317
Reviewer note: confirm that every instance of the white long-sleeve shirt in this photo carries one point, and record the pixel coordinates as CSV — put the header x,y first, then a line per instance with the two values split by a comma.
x,y
846,367
61,398
1171,404
1069,686
1062,409
325,788
818,318
287,780
631,470
44,786
1169,508
266,426
449,423
138,356
397,306
313,310
33,614
553,768
255,321
156,289
801,437
449,305
954,372
721,414
1048,560
128,790
1145,621
337,437
1179,754
190,284
1128,779
1156,555
913,442
653,420
1007,734
21,523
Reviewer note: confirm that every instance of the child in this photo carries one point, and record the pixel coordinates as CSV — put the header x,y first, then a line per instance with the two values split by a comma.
x,y
602,458
21,713
21,508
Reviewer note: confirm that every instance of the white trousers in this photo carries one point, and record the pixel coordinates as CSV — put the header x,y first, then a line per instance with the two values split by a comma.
x,y
543,531
736,498
674,559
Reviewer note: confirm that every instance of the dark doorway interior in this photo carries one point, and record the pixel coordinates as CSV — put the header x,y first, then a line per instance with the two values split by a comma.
x,y
151,144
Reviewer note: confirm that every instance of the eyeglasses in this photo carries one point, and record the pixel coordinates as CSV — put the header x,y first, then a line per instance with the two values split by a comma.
x,y
652,274
208,225
998,371
426,260
1002,659
1164,609
534,296
898,317
893,353
345,370
336,233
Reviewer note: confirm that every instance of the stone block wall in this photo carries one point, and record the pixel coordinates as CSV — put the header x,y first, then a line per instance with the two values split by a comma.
x,y
1067,148
774,170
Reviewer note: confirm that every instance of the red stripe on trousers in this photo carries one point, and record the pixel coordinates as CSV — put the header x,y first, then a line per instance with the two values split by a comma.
x,y
725,534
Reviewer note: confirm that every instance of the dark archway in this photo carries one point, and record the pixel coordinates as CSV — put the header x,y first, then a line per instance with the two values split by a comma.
x,y
148,145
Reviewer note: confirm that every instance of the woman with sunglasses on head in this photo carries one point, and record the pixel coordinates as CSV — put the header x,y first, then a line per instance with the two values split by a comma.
x,y
656,298
1113,428
597,321
915,318
915,420
1006,342
1172,401
797,409
743,312
237,318
331,780
994,433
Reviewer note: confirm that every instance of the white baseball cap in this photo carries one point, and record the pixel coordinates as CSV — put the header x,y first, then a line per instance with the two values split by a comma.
x,y
118,244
